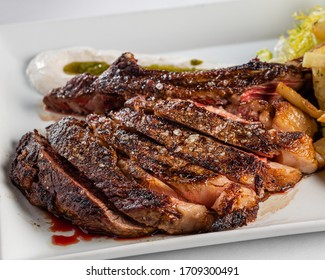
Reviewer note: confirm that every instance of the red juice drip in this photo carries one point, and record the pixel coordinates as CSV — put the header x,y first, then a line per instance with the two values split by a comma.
x,y
62,225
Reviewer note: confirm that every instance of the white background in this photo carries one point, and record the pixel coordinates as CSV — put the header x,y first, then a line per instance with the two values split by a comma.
x,y
306,246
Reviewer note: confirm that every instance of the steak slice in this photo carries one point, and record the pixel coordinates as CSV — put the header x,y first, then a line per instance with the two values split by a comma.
x,y
219,124
125,78
132,170
49,182
293,148
235,164
73,140
77,97
234,203
194,183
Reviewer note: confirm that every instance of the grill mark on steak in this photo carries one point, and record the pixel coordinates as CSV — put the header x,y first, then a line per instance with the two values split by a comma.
x,y
49,182
232,199
75,142
196,148
293,147
193,182
125,79
221,125
201,150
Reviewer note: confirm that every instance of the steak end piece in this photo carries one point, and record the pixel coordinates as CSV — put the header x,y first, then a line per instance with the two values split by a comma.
x,y
49,182
79,97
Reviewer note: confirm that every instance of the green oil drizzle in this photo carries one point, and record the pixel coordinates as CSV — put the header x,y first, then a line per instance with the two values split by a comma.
x,y
91,67
170,68
196,62
98,67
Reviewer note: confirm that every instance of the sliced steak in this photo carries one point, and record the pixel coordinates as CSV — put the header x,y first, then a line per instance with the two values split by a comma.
x,y
125,78
49,182
77,97
219,124
234,203
74,141
201,150
291,147
194,183
131,169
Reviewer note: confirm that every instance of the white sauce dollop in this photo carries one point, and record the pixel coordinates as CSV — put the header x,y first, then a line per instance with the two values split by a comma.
x,y
45,70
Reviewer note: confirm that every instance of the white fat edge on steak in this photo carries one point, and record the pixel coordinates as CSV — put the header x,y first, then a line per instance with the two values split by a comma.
x,y
45,70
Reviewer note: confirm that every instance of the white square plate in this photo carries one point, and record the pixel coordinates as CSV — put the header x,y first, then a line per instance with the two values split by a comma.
x,y
224,32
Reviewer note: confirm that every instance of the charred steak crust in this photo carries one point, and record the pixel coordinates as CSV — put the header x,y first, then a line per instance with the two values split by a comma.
x,y
169,162
49,182
236,164
287,145
228,128
193,182
125,78
99,164
194,147
235,220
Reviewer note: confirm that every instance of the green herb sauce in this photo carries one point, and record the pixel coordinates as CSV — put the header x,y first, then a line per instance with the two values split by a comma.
x,y
98,67
91,67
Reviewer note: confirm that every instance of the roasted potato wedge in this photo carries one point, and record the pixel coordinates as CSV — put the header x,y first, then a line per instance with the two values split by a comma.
x,y
316,61
297,100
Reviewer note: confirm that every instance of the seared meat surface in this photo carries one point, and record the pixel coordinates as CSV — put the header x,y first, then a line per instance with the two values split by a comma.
x,y
50,182
125,78
237,165
291,147
194,183
220,124
168,152
74,141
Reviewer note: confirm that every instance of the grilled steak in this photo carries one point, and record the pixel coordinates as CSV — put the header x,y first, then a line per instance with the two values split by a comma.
x,y
235,164
235,204
49,182
125,79
193,182
132,169
78,97
293,148
187,152
74,141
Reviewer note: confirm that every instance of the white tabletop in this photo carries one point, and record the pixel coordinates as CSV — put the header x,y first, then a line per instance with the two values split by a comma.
x,y
304,246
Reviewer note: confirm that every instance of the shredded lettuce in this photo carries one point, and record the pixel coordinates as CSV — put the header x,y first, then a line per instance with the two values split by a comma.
x,y
297,40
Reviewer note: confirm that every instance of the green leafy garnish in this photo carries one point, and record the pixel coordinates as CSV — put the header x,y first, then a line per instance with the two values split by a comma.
x,y
297,40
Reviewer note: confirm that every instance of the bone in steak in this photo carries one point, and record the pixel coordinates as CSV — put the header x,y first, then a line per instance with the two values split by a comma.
x,y
74,141
50,182
125,78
